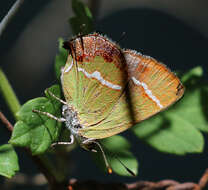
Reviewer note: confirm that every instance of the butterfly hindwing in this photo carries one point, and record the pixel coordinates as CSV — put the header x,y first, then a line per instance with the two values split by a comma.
x,y
151,88
152,85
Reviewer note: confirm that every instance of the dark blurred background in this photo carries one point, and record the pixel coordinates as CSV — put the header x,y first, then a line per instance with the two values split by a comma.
x,y
174,32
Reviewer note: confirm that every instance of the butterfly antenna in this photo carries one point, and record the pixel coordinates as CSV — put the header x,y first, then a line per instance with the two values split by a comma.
x,y
82,43
104,157
81,34
55,97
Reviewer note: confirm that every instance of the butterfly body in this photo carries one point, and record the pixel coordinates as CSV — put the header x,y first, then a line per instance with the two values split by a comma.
x,y
73,125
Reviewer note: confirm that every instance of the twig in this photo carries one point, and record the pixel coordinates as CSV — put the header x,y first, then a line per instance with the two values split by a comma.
x,y
203,182
6,122
141,185
152,185
10,15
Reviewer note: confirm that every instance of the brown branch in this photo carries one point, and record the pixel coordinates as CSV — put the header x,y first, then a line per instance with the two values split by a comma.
x,y
203,182
141,185
6,122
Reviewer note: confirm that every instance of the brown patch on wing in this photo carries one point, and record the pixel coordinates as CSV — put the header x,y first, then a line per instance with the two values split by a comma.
x,y
86,48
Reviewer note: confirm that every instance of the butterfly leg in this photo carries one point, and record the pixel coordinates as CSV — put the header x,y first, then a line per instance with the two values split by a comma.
x,y
65,143
91,140
87,142
50,115
57,98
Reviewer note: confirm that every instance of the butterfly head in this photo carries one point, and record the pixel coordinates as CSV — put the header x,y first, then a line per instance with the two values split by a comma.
x,y
72,121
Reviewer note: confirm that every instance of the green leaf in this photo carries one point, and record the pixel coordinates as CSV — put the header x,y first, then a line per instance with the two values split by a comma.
x,y
56,90
193,75
117,148
34,130
83,20
8,161
177,130
60,59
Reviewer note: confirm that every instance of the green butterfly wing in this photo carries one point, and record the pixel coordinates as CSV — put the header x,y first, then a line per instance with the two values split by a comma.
x,y
93,78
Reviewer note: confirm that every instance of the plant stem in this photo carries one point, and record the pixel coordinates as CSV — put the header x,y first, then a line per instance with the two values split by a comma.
x,y
53,177
10,15
8,94
6,121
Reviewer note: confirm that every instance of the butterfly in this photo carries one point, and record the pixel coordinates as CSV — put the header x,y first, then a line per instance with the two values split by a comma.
x,y
108,90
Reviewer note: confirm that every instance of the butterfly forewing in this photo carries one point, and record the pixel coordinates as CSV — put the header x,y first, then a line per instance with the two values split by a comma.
x,y
94,77
151,88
